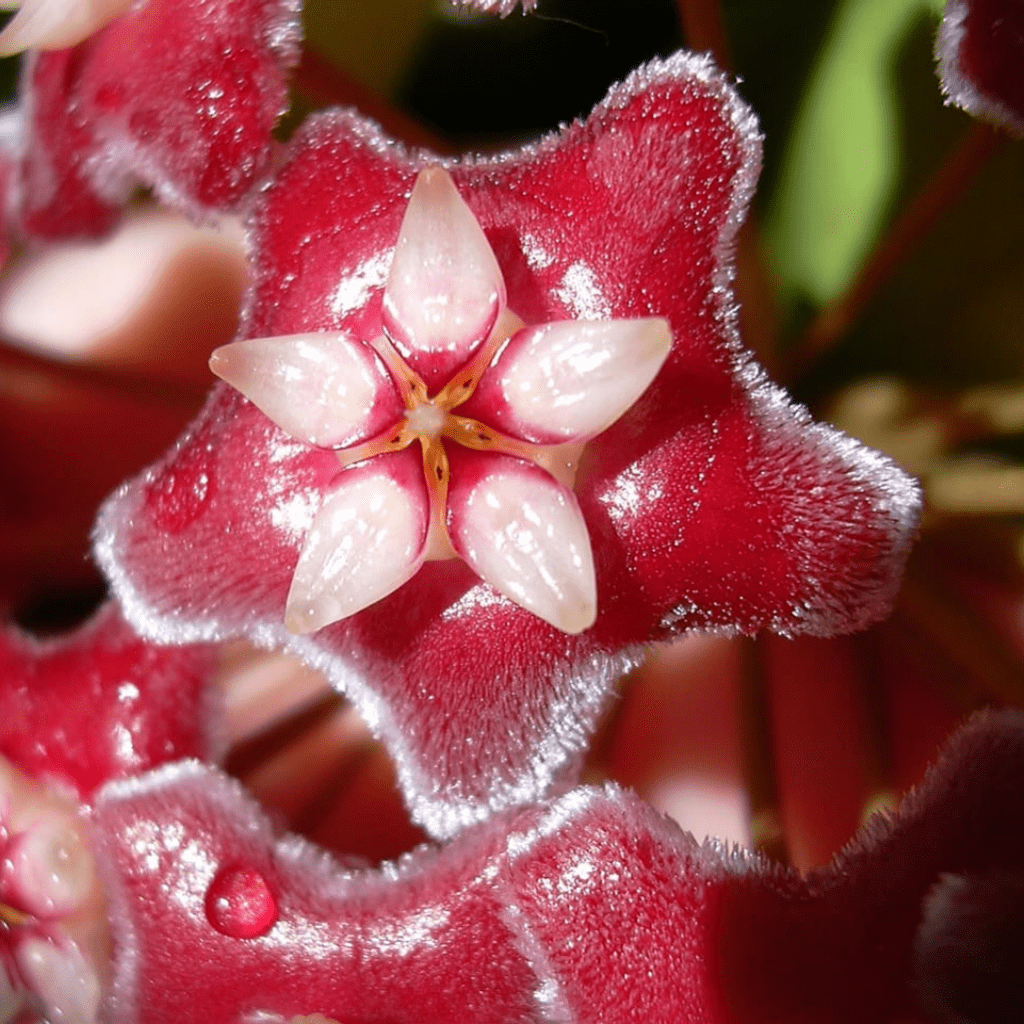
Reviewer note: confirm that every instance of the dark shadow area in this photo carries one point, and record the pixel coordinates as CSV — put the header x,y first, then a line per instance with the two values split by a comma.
x,y
59,609
775,47
486,82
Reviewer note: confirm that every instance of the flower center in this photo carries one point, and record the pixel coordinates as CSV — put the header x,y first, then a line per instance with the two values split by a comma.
x,y
426,419
530,398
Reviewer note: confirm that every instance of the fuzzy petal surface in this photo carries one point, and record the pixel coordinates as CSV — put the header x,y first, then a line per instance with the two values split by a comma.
x,y
592,909
101,703
980,50
151,99
713,503
222,920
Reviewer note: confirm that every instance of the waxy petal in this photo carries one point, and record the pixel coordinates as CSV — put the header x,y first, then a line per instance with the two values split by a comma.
x,y
324,389
592,908
569,380
116,111
713,503
55,24
734,937
63,980
523,533
445,289
980,50
367,539
101,703
415,943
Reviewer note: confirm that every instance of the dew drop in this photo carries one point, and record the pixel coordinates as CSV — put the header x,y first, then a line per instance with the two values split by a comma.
x,y
239,903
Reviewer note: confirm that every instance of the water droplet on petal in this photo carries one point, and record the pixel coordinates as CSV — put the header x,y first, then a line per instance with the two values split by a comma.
x,y
239,903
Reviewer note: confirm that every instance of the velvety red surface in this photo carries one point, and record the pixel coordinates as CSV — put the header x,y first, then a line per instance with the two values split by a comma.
x,y
591,909
992,51
713,503
178,95
101,703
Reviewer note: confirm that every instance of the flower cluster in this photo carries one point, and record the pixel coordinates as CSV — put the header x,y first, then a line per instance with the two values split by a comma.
x,y
486,435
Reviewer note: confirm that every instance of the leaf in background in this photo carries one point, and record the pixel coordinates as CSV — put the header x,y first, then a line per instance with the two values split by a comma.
x,y
841,166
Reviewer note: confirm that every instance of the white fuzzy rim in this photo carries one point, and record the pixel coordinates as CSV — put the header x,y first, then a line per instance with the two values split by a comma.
x,y
958,89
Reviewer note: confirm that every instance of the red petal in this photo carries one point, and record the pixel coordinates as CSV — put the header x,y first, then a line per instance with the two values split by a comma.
x,y
636,922
101,703
593,909
152,99
285,930
980,49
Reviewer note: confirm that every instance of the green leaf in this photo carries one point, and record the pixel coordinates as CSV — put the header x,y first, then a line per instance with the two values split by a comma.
x,y
840,168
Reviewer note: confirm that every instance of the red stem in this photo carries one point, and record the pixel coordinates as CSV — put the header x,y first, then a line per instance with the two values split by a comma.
x,y
941,193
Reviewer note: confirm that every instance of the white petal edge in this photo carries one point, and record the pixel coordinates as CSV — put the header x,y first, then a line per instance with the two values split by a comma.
x,y
574,378
445,289
524,534
366,540
320,388
55,24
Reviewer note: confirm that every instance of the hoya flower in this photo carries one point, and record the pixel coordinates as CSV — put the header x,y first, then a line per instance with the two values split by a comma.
x,y
592,909
76,712
54,937
176,95
980,50
712,503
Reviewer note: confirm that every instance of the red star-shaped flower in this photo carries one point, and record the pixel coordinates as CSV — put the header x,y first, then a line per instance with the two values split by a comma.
x,y
76,712
980,50
712,503
591,909
176,95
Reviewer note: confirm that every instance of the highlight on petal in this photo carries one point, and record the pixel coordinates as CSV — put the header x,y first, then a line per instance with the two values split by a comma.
x,y
324,389
445,289
102,703
403,944
524,534
569,380
367,539
980,52
55,24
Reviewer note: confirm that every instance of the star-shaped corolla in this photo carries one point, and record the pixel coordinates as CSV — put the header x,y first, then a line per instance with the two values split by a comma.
x,y
505,513
980,50
712,503
592,908
151,99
